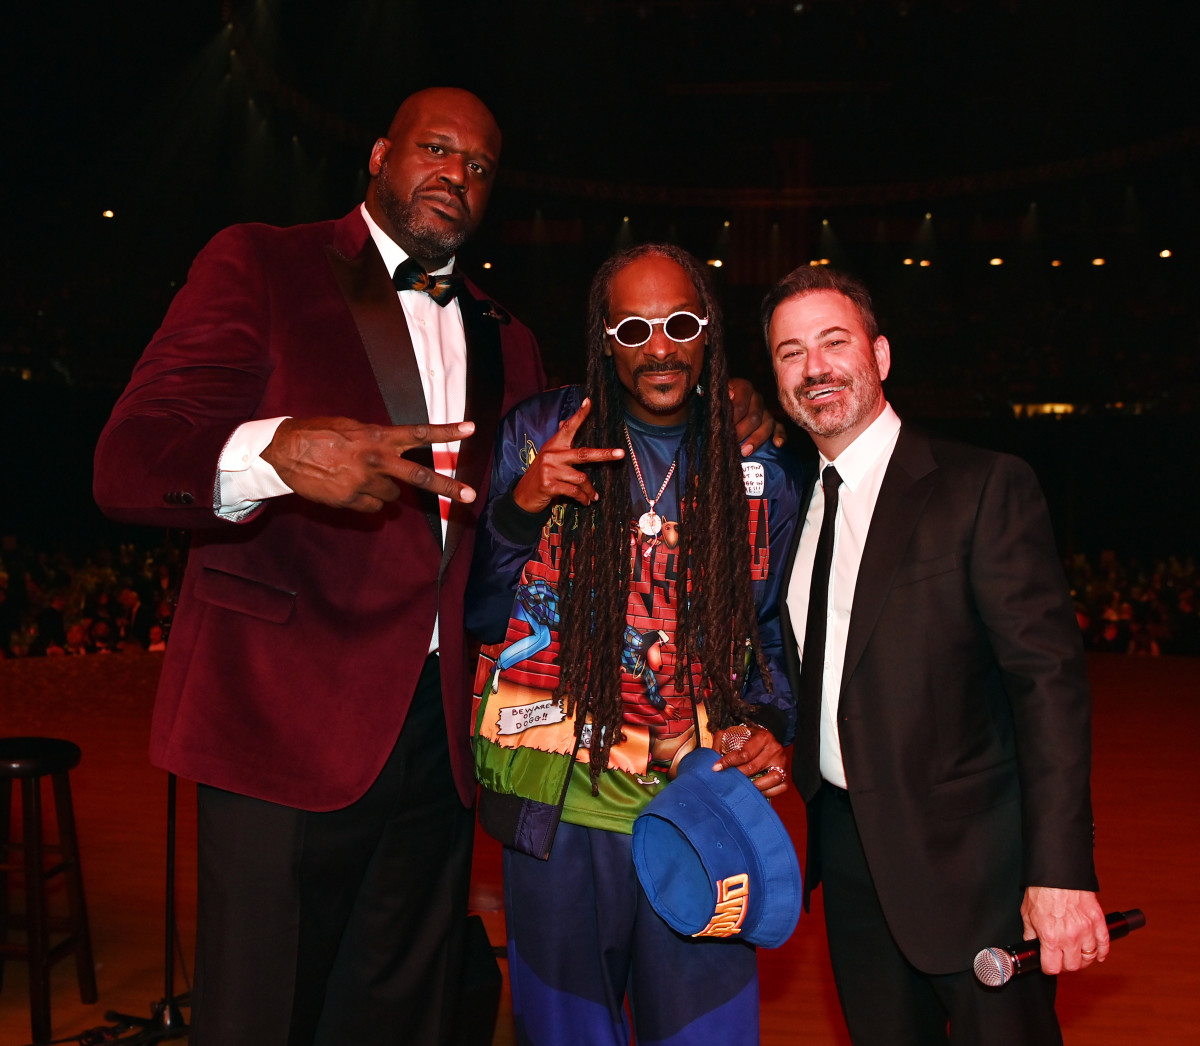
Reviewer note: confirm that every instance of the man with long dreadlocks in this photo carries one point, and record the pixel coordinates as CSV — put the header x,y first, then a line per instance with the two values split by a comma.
x,y
627,576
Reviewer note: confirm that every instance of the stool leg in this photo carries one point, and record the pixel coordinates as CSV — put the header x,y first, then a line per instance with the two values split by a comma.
x,y
85,967
35,909
5,839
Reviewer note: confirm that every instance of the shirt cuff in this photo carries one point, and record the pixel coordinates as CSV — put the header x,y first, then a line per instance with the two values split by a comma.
x,y
244,479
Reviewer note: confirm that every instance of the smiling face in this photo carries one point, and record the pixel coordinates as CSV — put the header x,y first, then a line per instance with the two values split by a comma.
x,y
433,173
659,376
828,370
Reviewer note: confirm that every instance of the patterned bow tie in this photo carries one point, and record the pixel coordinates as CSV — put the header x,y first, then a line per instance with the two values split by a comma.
x,y
411,277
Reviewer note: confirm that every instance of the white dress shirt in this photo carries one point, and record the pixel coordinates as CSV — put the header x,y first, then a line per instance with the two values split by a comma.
x,y
244,479
861,467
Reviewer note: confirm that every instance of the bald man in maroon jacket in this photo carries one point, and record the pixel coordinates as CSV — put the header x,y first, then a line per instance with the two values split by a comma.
x,y
316,676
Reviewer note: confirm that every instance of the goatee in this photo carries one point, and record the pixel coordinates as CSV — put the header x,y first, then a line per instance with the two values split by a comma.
x,y
428,239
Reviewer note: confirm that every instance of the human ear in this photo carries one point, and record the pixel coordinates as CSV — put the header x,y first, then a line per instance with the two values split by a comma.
x,y
883,356
379,152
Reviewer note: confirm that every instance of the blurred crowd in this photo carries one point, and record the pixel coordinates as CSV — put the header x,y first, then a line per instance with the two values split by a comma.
x,y
55,604
1135,606
58,604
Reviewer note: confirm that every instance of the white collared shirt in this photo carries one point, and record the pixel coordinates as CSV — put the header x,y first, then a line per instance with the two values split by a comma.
x,y
861,467
441,350
244,479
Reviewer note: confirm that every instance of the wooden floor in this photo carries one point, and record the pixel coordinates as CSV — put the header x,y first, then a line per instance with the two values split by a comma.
x,y
1147,798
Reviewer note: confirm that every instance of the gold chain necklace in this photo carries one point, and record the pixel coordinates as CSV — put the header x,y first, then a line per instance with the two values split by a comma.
x,y
649,523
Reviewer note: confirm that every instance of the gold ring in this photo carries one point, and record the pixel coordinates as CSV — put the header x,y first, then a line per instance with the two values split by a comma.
x,y
1088,951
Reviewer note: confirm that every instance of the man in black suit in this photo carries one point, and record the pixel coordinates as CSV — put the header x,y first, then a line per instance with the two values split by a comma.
x,y
943,742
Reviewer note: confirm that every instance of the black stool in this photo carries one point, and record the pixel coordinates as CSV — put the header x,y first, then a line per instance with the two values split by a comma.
x,y
28,760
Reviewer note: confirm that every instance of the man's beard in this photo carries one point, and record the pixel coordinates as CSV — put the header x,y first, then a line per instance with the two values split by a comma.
x,y
428,239
659,367
833,419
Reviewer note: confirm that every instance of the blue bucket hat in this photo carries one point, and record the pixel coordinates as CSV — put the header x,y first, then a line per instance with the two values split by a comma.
x,y
715,859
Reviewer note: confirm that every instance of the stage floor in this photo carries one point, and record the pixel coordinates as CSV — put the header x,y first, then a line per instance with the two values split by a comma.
x,y
1146,785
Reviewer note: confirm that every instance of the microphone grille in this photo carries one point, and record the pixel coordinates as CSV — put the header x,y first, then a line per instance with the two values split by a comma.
x,y
993,967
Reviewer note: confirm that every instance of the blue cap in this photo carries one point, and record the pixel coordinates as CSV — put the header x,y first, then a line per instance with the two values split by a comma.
x,y
715,859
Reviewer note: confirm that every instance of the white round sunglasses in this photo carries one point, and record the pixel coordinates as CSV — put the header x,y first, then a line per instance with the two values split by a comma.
x,y
634,331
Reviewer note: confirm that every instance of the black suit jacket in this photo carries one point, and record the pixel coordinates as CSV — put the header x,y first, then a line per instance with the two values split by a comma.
x,y
964,714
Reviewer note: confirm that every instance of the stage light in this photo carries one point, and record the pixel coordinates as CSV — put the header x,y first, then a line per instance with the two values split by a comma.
x,y
1164,254
908,261
716,263
824,221
813,263
626,218
925,263
928,215
1056,264
1097,261
106,214
487,265
726,223
996,261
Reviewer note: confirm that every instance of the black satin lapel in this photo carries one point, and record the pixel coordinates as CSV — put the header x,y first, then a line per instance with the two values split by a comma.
x,y
371,298
485,392
906,487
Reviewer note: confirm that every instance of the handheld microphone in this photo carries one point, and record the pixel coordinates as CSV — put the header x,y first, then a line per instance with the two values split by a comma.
x,y
995,967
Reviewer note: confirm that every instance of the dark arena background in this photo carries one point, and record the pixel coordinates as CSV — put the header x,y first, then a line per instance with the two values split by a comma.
x,y
1016,181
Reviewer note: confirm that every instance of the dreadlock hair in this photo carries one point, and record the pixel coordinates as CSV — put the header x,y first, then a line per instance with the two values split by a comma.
x,y
716,621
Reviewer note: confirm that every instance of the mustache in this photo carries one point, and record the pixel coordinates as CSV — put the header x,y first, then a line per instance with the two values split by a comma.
x,y
658,367
453,196
827,378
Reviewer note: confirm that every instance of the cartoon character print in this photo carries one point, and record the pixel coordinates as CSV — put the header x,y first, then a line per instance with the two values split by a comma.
x,y
523,668
518,676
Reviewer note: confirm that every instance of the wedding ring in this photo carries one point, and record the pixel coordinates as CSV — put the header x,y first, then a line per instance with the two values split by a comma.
x,y
779,769
1088,952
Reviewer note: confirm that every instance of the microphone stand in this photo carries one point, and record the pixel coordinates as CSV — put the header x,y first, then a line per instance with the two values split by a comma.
x,y
165,1022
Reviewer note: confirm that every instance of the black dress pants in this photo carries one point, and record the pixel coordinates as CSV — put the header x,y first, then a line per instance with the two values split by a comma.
x,y
342,928
885,999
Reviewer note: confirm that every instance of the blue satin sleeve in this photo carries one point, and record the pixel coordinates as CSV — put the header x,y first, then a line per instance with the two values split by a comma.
x,y
502,548
784,488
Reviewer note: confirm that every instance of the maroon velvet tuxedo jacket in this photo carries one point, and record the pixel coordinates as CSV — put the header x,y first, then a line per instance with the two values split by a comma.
x,y
964,714
300,633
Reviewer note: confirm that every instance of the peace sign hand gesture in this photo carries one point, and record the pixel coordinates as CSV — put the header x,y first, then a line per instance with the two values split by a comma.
x,y
553,474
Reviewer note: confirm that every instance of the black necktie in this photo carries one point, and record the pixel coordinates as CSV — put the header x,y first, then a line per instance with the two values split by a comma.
x,y
812,667
411,277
